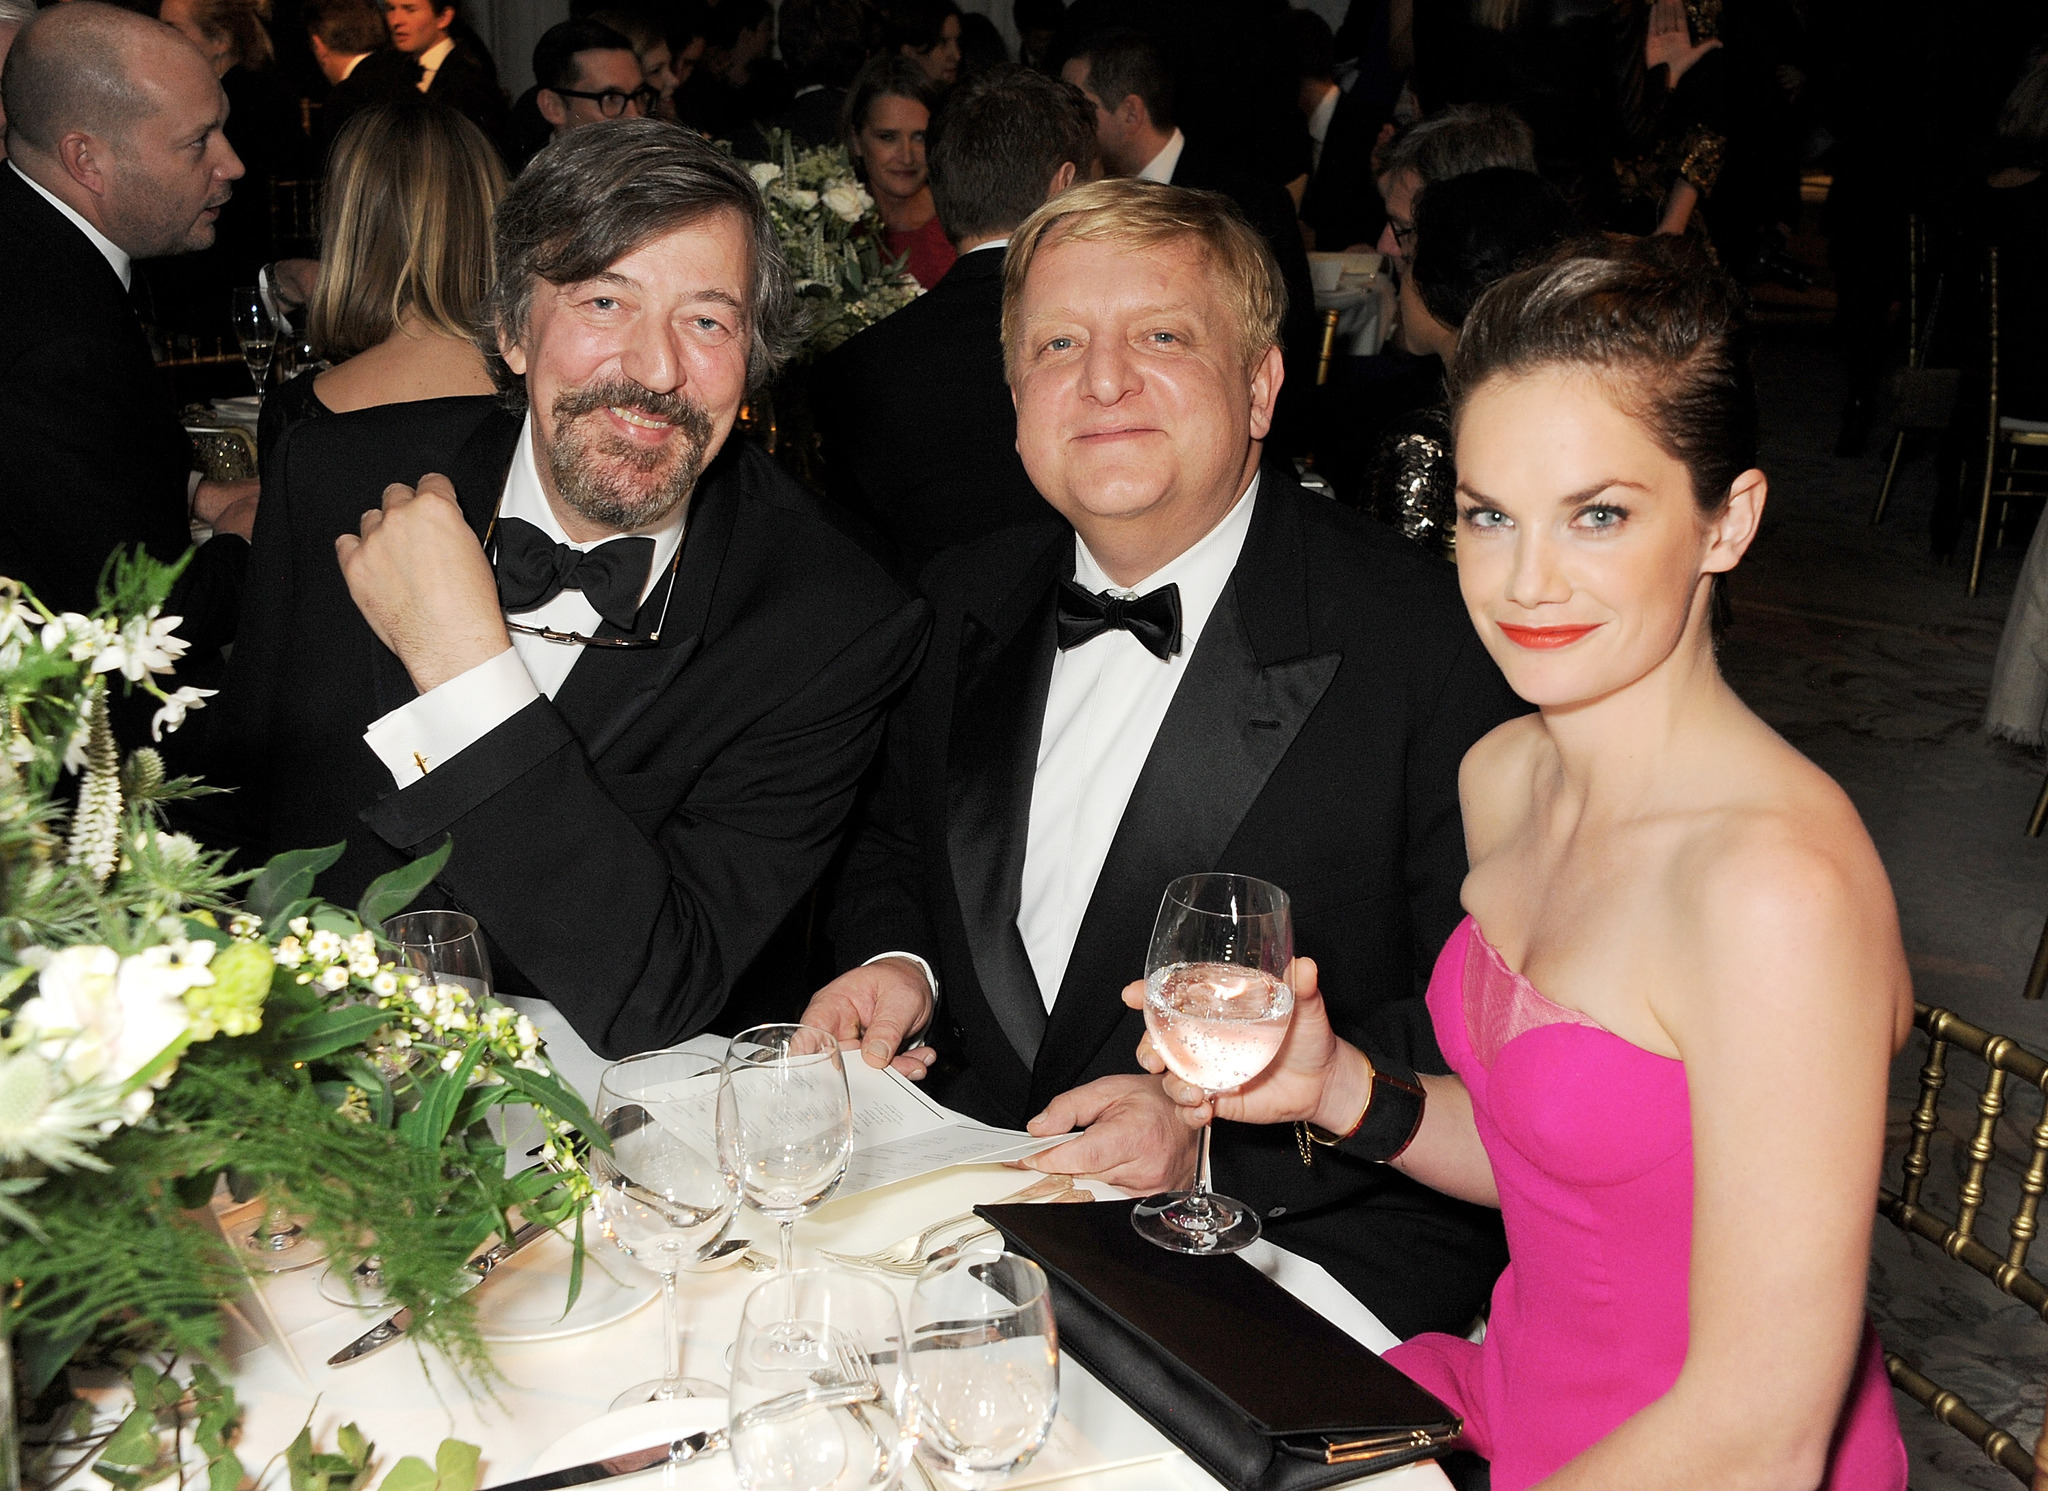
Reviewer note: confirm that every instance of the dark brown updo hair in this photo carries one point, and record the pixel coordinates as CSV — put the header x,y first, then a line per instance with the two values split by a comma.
x,y
1656,320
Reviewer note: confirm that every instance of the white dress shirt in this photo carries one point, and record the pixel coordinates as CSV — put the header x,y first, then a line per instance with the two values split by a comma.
x,y
415,738
1102,712
1161,167
1319,125
431,60
112,252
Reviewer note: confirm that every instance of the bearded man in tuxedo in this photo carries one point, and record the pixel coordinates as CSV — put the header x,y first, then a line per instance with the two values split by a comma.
x,y
631,666
1210,669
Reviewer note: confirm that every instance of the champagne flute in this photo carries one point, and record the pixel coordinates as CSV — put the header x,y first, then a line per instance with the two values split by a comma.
x,y
664,1193
444,946
1217,1003
786,1120
985,1365
820,1400
255,331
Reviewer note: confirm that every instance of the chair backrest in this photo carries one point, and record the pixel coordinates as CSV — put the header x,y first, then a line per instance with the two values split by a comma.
x,y
2004,1061
295,219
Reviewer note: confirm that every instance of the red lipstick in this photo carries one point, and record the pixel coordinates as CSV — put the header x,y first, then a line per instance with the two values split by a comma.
x,y
1545,638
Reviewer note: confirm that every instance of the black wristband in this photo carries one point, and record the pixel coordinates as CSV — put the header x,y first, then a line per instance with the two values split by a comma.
x,y
1392,1117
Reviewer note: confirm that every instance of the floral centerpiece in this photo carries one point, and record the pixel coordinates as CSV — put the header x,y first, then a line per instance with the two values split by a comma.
x,y
167,1024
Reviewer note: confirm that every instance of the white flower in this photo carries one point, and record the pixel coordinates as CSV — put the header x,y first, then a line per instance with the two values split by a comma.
x,y
796,196
384,983
172,713
143,646
21,750
81,737
847,202
289,953
764,172
87,636
323,946
100,1016
41,1121
177,849
334,978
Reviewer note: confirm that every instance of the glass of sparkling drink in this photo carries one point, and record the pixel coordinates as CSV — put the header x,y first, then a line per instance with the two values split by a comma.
x,y
1217,1003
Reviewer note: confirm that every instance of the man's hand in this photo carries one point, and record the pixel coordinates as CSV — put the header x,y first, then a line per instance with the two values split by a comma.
x,y
880,1005
213,502
422,581
294,280
1669,41
1135,1139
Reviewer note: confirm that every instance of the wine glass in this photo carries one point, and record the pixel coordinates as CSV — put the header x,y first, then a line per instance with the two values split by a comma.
x,y
786,1120
445,946
255,331
985,1365
664,1193
1217,1003
826,1407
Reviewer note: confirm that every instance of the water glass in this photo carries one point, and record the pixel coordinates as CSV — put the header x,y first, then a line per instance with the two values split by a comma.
x,y
786,1121
256,332
826,1407
664,1193
445,946
984,1364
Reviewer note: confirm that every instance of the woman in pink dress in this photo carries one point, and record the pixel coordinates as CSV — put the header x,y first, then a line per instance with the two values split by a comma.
x,y
1672,1007
888,110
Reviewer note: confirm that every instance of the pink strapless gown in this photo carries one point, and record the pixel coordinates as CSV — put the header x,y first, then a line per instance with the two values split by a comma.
x,y
1591,1143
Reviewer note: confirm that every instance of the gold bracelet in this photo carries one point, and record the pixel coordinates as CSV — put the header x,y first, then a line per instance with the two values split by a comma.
x,y
1307,1134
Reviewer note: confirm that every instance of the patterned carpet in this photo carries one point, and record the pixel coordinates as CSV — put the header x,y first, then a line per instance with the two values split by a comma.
x,y
1869,657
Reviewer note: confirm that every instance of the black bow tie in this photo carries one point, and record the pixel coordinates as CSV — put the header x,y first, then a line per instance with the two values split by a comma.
x,y
533,570
1153,619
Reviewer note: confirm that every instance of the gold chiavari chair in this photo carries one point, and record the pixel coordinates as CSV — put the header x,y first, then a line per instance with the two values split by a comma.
x,y
2005,1062
1920,398
295,219
2006,437
1327,356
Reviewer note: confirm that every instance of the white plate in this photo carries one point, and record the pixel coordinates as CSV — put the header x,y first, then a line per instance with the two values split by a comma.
x,y
523,1301
638,1427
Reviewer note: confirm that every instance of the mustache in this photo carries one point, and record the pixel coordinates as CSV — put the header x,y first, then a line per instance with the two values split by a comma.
x,y
622,393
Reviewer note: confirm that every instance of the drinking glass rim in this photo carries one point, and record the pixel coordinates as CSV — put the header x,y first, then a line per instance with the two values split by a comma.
x,y
734,1059
875,1288
1282,903
1041,1286
472,929
712,1066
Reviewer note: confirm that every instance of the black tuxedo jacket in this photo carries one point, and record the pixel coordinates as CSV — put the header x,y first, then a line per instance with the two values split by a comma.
x,y
385,74
630,845
467,81
95,458
920,434
1314,741
1343,202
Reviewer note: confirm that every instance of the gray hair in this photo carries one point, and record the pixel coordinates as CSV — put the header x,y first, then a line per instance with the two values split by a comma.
x,y
17,12
598,193
1461,140
75,67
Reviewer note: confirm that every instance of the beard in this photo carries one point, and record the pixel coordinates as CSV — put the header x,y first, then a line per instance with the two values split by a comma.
x,y
613,481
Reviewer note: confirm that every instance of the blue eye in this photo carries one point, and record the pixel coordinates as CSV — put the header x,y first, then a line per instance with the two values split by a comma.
x,y
1602,517
1059,344
1486,517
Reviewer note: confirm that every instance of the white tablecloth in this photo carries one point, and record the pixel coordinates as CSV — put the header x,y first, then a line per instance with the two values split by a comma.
x,y
407,1404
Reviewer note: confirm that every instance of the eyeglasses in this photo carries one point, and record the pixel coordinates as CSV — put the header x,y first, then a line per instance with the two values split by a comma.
x,y
1404,234
611,102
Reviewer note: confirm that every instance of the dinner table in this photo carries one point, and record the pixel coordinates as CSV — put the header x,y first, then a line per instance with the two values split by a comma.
x,y
555,1375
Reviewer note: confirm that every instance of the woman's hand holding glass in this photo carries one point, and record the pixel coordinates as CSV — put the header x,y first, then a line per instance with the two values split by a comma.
x,y
1317,1075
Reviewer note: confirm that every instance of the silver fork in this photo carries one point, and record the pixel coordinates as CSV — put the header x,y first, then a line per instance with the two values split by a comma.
x,y
906,1250
911,1268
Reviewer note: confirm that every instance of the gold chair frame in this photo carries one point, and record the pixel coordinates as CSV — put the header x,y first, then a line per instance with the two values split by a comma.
x,y
2006,434
2004,1060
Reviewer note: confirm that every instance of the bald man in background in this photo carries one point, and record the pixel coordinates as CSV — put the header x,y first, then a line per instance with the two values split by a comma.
x,y
114,152
14,14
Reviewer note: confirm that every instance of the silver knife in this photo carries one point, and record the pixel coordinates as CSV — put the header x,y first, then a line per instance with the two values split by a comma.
x,y
479,1268
676,1451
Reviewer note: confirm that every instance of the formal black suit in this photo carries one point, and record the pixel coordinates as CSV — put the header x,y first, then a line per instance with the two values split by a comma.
x,y
95,458
920,434
467,81
630,845
1342,202
382,75
1314,741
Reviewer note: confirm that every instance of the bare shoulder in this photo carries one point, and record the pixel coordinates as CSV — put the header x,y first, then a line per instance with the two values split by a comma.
x,y
1495,778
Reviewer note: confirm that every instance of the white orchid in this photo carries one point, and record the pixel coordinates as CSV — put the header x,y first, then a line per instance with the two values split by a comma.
x,y
172,713
100,1017
847,202
84,636
764,172
797,197
143,646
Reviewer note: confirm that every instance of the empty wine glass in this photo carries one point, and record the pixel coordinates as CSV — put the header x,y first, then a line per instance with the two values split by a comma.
x,y
664,1193
279,1244
443,945
827,1407
787,1121
1217,1003
255,331
985,1365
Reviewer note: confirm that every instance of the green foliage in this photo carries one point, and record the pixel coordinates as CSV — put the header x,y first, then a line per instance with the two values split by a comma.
x,y
148,1445
394,890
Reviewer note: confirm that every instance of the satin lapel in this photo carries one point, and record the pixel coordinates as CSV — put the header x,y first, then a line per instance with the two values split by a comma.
x,y
478,473
611,687
1233,718
998,713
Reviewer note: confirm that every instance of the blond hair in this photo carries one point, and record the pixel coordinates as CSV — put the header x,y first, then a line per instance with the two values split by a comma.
x,y
406,226
1143,215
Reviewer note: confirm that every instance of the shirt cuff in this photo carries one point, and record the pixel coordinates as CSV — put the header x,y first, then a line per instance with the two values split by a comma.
x,y
415,738
931,981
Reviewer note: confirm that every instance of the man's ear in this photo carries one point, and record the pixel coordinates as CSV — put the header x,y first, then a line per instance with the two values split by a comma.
x,y
79,153
1132,113
551,106
445,18
1267,375
1061,179
513,353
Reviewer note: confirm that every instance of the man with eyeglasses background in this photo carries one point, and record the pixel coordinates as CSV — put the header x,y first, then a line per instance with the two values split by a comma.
x,y
620,656
585,73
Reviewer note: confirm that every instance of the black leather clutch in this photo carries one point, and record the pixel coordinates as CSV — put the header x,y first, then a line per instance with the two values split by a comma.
x,y
1252,1383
